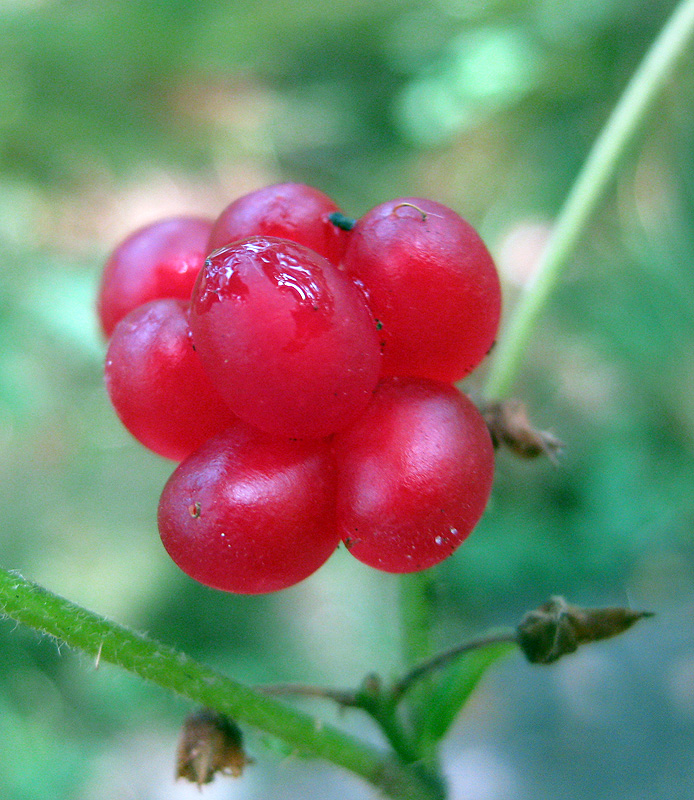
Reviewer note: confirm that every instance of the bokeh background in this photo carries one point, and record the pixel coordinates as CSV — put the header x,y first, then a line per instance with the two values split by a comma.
x,y
116,113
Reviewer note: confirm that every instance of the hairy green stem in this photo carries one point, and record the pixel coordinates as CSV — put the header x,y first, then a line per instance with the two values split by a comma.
x,y
34,606
588,190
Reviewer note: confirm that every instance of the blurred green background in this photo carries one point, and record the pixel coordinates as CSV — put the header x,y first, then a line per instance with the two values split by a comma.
x,y
116,113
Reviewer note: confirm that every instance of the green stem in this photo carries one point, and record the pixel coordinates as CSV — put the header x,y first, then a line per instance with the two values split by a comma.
x,y
507,635
33,605
396,734
416,616
588,190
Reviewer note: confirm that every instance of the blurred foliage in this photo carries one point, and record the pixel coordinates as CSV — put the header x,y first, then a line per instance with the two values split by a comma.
x,y
115,113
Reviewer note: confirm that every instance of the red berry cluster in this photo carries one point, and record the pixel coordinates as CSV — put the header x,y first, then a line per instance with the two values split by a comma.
x,y
300,366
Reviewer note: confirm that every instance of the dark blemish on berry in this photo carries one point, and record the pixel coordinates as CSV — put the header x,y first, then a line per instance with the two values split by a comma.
x,y
348,543
379,325
194,510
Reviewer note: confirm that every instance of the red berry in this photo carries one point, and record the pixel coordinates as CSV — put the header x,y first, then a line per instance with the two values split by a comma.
x,y
251,513
157,384
285,336
414,475
160,260
432,285
291,211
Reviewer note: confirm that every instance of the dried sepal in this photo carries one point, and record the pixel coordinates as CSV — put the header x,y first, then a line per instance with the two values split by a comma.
x,y
557,628
209,743
509,426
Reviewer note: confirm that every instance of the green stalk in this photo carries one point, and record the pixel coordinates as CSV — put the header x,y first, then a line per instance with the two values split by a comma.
x,y
598,171
48,613
415,616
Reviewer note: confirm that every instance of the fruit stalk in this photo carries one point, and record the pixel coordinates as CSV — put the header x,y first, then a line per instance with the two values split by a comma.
x,y
108,641
588,190
416,589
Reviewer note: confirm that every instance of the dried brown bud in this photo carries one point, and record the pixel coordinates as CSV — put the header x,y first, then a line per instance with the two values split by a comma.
x,y
509,425
556,628
209,743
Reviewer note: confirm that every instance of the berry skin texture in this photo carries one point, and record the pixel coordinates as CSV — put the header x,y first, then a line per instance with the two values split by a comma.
x,y
291,211
414,475
285,336
250,513
432,285
157,384
160,260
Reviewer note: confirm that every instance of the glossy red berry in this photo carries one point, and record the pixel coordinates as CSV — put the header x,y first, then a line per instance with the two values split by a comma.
x,y
157,384
291,211
414,475
160,260
285,336
432,285
251,513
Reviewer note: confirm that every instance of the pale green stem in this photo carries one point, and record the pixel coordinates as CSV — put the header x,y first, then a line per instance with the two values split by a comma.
x,y
105,640
588,190
416,616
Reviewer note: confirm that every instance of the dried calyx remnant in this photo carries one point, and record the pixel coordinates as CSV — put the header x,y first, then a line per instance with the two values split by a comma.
x,y
209,743
509,426
556,628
